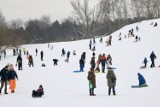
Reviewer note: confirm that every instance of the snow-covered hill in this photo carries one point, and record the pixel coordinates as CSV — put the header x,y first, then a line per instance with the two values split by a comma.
x,y
64,88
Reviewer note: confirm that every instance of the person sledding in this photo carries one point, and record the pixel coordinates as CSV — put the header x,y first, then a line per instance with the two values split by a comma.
x,y
39,92
141,79
142,82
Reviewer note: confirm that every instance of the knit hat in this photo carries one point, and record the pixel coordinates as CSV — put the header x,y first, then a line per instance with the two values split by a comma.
x,y
40,86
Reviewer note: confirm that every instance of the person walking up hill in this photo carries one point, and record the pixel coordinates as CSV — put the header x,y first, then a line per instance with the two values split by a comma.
x,y
152,57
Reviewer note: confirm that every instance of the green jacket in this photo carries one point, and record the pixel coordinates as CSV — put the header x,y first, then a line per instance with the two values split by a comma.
x,y
92,78
111,78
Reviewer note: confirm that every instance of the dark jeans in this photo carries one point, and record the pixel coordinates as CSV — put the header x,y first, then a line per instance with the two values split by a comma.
x,y
113,89
91,91
152,63
19,66
5,87
81,67
103,68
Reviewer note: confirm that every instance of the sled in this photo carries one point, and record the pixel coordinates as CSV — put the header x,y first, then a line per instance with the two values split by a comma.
x,y
97,71
77,71
139,86
111,68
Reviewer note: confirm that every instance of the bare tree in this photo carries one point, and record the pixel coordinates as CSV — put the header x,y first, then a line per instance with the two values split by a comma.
x,y
86,18
16,24
2,21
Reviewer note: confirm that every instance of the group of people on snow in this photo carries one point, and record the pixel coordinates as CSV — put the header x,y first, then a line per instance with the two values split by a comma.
x,y
8,74
111,81
152,58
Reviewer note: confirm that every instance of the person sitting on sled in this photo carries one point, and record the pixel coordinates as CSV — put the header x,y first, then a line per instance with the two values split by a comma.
x,y
142,81
39,92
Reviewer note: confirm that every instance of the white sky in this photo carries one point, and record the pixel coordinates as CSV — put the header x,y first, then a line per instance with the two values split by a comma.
x,y
31,9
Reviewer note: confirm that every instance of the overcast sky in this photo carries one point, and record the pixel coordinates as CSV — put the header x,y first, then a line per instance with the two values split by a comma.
x,y
31,9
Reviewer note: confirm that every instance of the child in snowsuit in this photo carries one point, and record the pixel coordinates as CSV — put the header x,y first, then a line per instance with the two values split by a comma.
x,y
39,92
12,78
145,62
55,61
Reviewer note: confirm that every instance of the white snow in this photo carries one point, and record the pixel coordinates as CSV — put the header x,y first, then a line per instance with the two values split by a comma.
x,y
64,88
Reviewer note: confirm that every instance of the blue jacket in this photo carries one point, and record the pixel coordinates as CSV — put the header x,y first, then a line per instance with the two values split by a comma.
x,y
12,74
141,79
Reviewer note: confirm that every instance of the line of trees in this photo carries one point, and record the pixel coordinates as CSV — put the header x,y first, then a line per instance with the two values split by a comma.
x,y
110,15
104,18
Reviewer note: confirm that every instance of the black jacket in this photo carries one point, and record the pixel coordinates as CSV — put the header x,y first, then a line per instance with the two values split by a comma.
x,y
4,74
153,56
19,59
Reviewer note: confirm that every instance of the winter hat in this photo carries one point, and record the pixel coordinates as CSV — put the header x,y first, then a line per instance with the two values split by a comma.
x,y
138,73
91,69
40,86
6,66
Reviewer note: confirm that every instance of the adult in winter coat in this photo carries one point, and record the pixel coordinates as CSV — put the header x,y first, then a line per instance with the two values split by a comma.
x,y
152,57
93,63
36,51
4,53
19,61
4,79
90,46
12,78
111,78
141,79
0,55
55,61
83,56
14,52
103,62
41,55
39,92
30,59
81,63
68,54
63,52
92,81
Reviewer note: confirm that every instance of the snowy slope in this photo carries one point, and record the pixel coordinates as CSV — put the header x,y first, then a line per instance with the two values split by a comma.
x,y
63,88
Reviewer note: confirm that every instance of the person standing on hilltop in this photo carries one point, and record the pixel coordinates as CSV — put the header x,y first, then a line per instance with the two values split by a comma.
x,y
36,51
152,57
41,55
